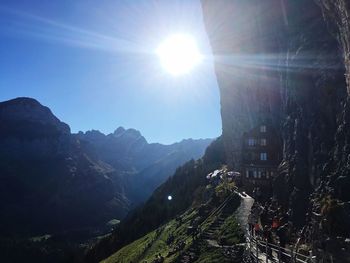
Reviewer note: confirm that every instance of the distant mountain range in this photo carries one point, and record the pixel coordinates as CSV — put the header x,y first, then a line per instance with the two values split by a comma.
x,y
143,166
52,180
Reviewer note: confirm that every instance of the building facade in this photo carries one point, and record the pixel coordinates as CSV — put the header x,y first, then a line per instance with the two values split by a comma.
x,y
261,155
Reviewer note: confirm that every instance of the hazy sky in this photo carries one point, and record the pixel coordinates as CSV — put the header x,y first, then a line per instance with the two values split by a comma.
x,y
94,64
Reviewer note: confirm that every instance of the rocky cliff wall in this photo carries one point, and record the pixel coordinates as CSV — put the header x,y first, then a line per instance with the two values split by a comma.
x,y
247,53
288,61
337,14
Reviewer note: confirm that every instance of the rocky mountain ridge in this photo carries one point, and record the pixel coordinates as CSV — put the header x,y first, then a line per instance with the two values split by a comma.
x,y
144,166
54,181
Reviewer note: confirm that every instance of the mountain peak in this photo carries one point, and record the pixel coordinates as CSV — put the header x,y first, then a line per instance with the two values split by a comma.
x,y
133,132
24,109
120,130
21,101
130,133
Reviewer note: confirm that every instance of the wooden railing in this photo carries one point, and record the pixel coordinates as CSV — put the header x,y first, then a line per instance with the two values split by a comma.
x,y
262,251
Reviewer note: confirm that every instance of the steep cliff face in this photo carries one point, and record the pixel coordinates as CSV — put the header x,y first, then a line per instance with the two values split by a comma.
x,y
291,57
247,47
337,13
314,89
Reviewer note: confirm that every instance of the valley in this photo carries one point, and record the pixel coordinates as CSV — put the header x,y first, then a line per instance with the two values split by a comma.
x,y
72,188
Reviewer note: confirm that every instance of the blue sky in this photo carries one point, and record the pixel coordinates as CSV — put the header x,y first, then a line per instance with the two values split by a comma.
x,y
94,64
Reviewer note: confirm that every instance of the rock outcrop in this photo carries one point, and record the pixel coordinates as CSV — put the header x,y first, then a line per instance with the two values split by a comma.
x,y
291,57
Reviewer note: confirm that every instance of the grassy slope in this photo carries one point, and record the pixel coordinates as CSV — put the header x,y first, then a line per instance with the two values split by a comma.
x,y
155,242
230,232
149,246
211,255
187,187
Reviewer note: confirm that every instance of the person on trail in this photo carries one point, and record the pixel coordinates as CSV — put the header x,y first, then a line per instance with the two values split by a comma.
x,y
268,238
283,235
251,223
275,223
257,228
264,215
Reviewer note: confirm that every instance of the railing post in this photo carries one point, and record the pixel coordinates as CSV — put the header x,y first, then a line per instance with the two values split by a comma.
x,y
312,258
257,250
279,253
250,244
266,252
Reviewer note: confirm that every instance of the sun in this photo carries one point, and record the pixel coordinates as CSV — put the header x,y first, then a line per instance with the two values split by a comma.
x,y
179,54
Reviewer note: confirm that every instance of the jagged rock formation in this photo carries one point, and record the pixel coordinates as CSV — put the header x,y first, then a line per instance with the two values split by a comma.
x,y
298,51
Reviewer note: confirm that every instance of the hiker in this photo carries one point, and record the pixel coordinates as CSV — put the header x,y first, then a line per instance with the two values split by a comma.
x,y
269,239
283,235
275,223
251,223
257,229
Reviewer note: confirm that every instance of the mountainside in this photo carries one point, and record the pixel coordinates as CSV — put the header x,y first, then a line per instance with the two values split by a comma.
x,y
46,179
174,242
187,188
287,63
54,181
144,166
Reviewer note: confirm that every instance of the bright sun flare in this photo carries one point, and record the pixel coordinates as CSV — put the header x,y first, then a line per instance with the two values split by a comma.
x,y
179,54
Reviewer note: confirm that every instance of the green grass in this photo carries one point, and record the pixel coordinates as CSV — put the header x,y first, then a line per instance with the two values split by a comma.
x,y
157,242
132,251
230,232
211,255
149,246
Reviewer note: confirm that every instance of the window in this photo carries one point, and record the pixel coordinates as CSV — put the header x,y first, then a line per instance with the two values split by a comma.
x,y
255,174
263,156
251,142
263,142
262,128
247,174
251,173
